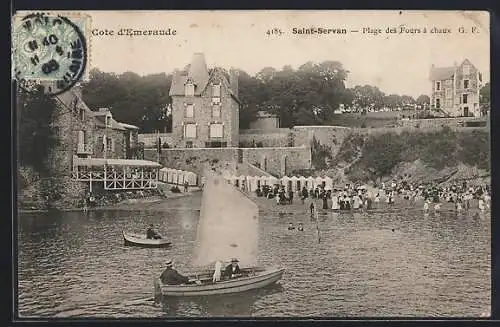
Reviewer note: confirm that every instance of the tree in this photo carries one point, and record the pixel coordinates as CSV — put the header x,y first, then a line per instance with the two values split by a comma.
x,y
381,153
36,137
485,97
368,96
423,100
133,99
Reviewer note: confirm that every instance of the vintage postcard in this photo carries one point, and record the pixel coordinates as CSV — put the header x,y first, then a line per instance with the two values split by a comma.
x,y
206,164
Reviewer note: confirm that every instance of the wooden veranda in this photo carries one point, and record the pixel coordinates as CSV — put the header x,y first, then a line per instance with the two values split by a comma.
x,y
117,174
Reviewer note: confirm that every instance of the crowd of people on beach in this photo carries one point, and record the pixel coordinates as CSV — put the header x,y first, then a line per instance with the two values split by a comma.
x,y
354,197
97,199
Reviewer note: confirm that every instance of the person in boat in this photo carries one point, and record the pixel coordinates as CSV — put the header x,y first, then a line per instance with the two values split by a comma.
x,y
152,234
233,269
300,227
290,226
170,276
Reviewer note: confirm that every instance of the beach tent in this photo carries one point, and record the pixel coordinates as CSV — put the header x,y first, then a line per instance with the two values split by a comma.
x,y
310,183
285,182
191,178
303,182
294,180
328,183
271,180
251,183
170,176
263,181
180,177
162,174
242,182
318,181
174,176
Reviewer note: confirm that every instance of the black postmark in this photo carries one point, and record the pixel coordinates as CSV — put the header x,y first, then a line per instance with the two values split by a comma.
x,y
49,50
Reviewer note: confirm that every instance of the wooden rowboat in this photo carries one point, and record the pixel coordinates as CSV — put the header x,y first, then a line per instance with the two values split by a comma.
x,y
252,279
132,239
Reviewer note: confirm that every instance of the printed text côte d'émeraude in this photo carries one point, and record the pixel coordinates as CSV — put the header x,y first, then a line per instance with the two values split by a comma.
x,y
134,32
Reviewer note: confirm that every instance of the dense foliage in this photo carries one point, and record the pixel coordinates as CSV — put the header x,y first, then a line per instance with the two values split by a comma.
x,y
36,138
381,153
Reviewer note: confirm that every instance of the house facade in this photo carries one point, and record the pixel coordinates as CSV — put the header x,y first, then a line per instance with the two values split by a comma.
x,y
86,134
455,90
205,107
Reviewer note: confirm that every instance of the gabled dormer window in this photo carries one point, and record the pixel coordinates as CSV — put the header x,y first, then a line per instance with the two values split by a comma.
x,y
108,120
466,69
216,94
216,90
189,88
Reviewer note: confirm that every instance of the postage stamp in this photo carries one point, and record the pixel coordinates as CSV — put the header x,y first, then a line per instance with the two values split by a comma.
x,y
49,48
323,164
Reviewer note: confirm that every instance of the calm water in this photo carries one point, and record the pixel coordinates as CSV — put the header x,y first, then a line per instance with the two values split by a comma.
x,y
73,264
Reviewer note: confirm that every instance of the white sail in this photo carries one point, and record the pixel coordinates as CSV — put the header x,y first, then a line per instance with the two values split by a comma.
x,y
228,226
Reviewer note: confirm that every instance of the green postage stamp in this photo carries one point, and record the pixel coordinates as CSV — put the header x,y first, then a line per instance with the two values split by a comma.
x,y
49,48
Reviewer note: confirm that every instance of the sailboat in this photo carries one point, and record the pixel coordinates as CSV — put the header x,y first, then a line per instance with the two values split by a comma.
x,y
228,228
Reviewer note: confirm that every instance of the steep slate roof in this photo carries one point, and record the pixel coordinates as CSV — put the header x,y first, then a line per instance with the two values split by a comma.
x,y
197,71
441,73
100,121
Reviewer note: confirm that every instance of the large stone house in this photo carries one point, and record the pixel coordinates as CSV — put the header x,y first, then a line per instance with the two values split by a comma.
x,y
83,133
205,107
455,90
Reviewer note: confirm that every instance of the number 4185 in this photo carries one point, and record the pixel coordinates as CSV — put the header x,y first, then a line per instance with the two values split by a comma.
x,y
274,31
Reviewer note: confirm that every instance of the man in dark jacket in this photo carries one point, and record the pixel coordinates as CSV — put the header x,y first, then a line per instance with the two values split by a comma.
x,y
171,277
232,270
152,234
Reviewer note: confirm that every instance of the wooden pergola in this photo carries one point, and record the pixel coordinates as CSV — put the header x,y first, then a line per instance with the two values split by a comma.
x,y
117,174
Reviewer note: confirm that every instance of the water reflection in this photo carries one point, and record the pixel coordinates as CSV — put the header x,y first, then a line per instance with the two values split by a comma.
x,y
224,305
378,263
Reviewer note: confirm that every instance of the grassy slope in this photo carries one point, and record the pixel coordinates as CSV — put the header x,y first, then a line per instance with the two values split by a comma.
x,y
421,155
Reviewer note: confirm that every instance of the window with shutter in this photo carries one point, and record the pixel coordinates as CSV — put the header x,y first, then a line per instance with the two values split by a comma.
x,y
216,130
216,113
190,110
189,89
216,91
190,131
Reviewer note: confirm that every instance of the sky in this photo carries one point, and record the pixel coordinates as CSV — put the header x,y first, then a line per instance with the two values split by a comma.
x,y
396,63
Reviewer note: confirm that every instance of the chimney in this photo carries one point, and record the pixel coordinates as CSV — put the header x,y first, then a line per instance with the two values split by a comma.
x,y
233,80
77,89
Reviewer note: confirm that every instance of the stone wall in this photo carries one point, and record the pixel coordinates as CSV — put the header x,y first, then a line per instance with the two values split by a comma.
x,y
440,122
150,139
279,161
332,136
194,159
278,137
276,161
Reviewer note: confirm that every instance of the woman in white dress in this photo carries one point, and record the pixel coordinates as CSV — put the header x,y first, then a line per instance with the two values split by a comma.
x,y
487,200
481,204
335,202
355,204
426,205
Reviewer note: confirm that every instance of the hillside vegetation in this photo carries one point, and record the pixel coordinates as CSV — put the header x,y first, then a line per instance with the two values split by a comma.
x,y
424,156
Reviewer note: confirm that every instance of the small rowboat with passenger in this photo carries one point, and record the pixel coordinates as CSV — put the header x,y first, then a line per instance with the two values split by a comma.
x,y
132,239
203,285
